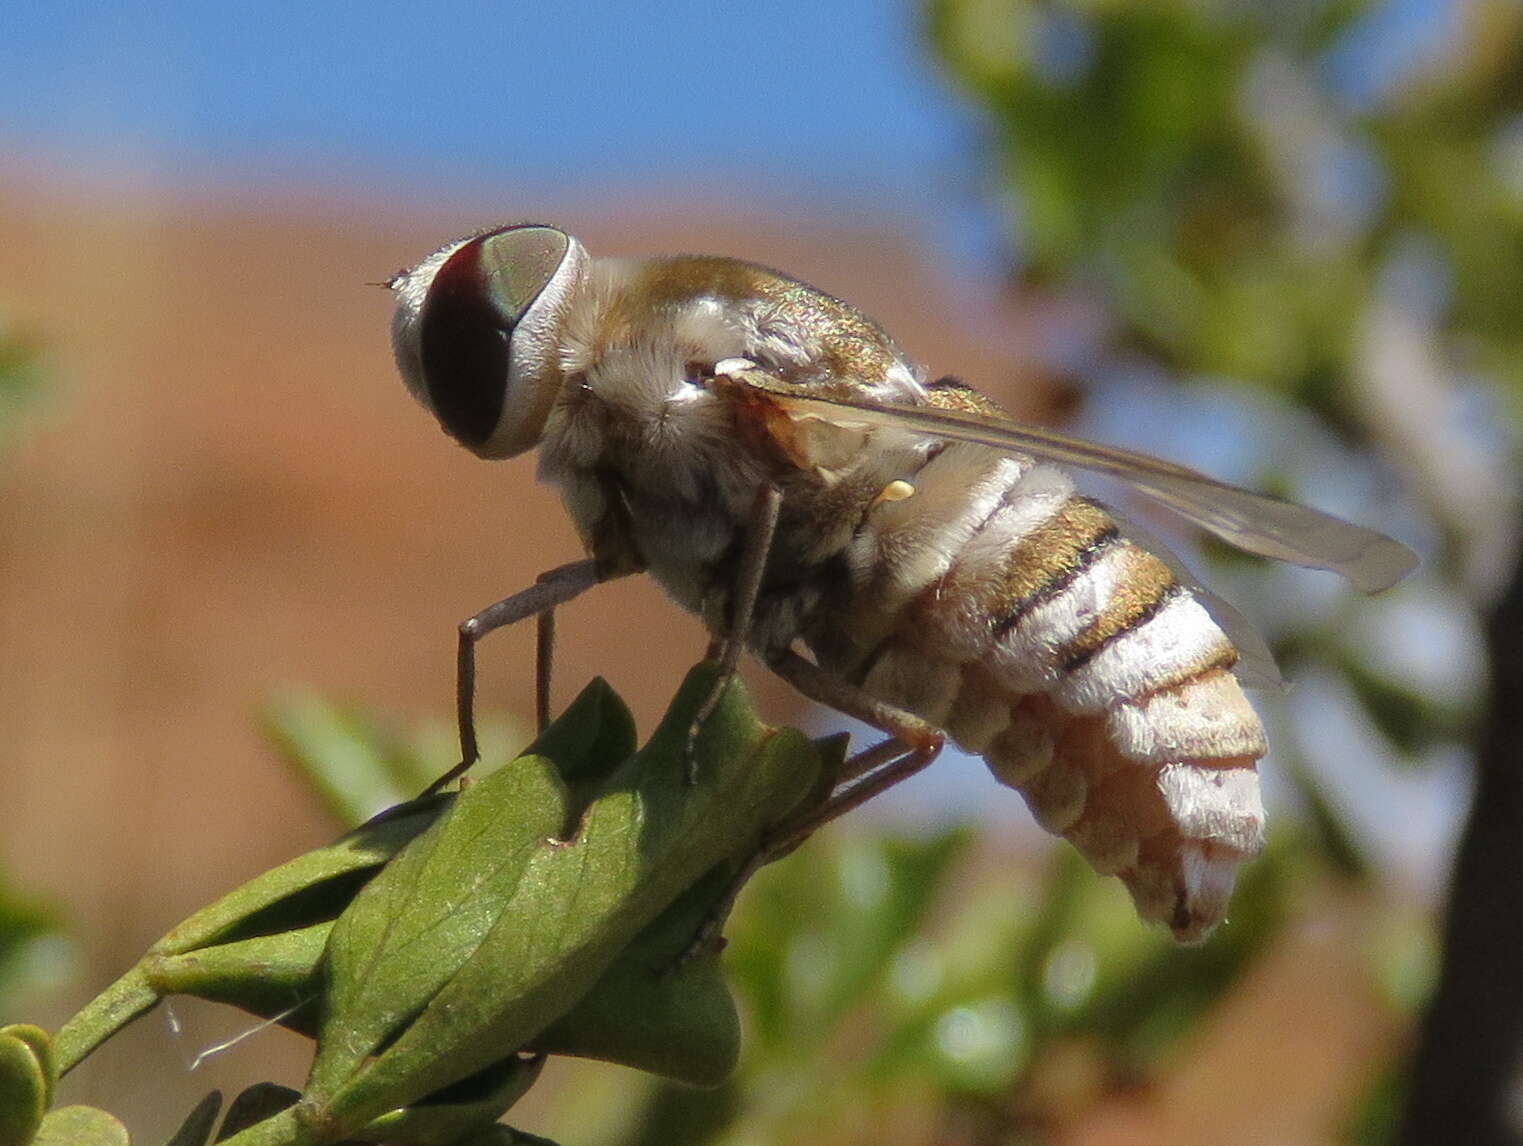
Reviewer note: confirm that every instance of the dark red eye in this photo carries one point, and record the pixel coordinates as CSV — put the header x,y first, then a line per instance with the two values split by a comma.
x,y
465,338
475,300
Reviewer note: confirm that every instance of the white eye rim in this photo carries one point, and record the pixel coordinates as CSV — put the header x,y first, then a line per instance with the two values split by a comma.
x,y
411,290
534,370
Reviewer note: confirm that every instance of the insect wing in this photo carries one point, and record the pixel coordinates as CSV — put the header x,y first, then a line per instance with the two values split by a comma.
x,y
1254,522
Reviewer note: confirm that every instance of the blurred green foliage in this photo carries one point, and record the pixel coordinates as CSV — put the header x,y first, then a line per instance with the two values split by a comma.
x,y
1319,203
1235,179
891,978
23,380
23,923
353,760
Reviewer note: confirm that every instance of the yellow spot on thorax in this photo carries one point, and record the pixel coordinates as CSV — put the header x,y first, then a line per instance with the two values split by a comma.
x,y
896,490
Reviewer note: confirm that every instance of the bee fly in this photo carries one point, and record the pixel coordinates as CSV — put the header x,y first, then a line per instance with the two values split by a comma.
x,y
773,459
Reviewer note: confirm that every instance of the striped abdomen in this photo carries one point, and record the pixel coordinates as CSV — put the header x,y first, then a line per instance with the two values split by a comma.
x,y
1001,606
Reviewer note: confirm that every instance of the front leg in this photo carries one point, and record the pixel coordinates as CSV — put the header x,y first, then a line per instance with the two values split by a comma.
x,y
551,589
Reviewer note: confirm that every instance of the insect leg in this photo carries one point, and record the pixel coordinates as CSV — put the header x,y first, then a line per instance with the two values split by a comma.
x,y
761,528
544,666
911,746
553,588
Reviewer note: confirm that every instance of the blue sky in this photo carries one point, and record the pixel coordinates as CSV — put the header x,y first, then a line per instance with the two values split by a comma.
x,y
834,103
778,99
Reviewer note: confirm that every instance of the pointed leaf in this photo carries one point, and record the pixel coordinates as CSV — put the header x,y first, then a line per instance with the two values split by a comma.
x,y
413,928
593,736
197,1129
427,914
682,1024
270,976
260,1101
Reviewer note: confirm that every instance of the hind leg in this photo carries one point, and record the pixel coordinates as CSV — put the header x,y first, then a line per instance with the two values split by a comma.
x,y
912,744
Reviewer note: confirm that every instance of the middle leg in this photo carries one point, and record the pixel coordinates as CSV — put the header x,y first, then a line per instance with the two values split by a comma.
x,y
761,528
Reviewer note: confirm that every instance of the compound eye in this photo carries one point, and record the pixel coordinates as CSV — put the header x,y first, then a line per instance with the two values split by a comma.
x,y
474,302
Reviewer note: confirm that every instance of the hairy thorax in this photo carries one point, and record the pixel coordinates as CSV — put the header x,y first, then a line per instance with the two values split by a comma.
x,y
660,468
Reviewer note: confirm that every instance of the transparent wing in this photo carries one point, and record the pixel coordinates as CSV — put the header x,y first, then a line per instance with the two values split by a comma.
x,y
1254,522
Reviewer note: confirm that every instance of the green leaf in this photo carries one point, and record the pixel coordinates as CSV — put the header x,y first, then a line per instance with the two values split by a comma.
x,y
592,737
40,1043
1147,1002
681,1024
428,913
1377,1116
1064,893
80,1126
312,888
950,1013
24,1086
885,889
22,923
1336,839
820,934
648,1013
503,915
23,380
675,1113
1408,717
271,976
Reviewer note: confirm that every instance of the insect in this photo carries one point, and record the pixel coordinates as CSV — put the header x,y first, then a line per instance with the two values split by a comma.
x,y
896,548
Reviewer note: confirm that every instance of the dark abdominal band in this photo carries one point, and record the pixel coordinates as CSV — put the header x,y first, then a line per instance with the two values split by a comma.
x,y
1085,558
